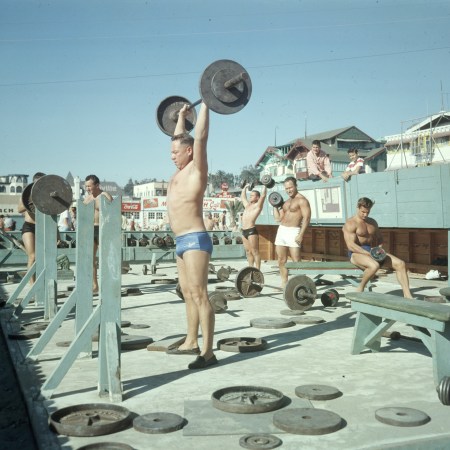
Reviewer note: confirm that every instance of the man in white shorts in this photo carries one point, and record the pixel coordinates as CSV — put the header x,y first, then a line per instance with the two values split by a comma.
x,y
294,217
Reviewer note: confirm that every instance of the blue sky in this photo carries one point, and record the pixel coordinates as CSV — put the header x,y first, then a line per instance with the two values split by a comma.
x,y
80,80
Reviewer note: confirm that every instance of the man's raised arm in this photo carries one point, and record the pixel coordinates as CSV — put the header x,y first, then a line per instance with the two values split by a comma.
x,y
201,139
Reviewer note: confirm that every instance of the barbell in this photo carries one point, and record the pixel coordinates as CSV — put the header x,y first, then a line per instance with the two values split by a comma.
x,y
50,194
225,87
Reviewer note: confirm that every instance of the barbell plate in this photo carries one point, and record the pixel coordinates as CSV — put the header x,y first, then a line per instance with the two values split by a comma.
x,y
260,441
275,199
160,422
51,194
241,344
214,93
249,282
218,302
317,392
271,322
166,114
294,290
402,417
26,199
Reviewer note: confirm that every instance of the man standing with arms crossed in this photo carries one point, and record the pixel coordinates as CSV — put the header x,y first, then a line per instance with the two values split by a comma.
x,y
193,244
92,187
253,208
294,217
361,233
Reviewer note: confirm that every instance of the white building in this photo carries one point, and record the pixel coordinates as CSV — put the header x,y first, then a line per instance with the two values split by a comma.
x,y
424,143
153,189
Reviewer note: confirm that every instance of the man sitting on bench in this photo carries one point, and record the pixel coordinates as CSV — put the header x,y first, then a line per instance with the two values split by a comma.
x,y
361,233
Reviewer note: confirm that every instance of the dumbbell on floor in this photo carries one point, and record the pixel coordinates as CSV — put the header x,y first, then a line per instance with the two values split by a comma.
x,y
225,87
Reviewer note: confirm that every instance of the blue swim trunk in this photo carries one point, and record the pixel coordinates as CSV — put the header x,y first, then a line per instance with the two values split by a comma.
x,y
365,247
198,240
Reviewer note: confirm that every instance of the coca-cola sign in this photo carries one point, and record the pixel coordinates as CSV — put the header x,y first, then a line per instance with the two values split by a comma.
x,y
131,206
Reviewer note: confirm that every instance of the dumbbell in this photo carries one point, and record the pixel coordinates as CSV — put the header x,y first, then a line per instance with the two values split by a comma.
x,y
276,200
329,297
267,181
168,241
143,241
251,185
158,241
225,87
378,254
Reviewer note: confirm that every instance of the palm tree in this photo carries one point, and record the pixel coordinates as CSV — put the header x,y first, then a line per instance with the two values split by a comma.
x,y
234,207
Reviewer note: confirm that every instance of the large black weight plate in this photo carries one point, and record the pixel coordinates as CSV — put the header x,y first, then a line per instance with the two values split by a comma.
x,y
156,423
271,322
218,302
317,392
443,390
276,199
268,181
300,292
26,199
132,342
51,194
307,320
309,421
248,399
166,114
241,344
401,417
23,335
213,92
106,446
249,282
94,419
329,297
260,441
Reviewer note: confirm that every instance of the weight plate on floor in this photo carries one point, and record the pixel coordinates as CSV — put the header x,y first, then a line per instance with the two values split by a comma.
x,y
317,392
443,390
63,343
125,323
132,291
330,297
309,421
292,312
260,441
24,335
248,399
218,302
232,295
271,322
300,292
401,417
163,281
307,320
249,282
51,194
241,344
93,419
132,342
139,326
155,423
106,446
167,114
223,273
37,326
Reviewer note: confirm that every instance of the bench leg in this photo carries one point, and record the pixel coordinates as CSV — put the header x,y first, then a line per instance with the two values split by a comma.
x,y
364,326
440,344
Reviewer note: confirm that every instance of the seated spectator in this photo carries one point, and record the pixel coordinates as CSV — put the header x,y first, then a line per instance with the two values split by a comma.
x,y
318,163
355,166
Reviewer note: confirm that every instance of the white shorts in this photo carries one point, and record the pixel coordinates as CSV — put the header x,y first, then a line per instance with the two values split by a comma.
x,y
286,236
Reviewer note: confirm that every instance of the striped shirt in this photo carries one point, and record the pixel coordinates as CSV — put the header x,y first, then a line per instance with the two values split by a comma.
x,y
358,163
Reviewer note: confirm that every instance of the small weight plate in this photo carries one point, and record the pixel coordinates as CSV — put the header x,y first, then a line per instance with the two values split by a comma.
x,y
443,390
226,289
317,392
125,323
401,417
241,344
310,421
37,326
51,194
93,419
218,302
24,335
307,320
300,292
271,322
155,423
106,446
166,114
63,343
329,298
223,274
211,268
163,281
291,312
139,326
248,399
260,441
132,342
213,92
133,291
232,295
275,199
249,282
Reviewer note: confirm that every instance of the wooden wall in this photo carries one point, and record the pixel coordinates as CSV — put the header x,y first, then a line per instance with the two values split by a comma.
x,y
422,249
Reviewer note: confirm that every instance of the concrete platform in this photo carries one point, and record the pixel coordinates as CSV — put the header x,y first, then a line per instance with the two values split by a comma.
x,y
153,382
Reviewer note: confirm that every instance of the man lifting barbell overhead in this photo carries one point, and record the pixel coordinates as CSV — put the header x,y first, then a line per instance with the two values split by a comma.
x,y
294,216
364,242
193,243
252,209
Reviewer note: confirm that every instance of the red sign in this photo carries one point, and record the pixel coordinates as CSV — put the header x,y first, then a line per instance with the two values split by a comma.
x,y
130,206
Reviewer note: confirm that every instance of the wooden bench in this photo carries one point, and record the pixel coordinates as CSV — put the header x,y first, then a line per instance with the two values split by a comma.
x,y
317,269
376,313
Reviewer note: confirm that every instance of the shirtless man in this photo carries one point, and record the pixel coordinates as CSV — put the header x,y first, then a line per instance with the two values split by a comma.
x,y
361,233
208,221
294,217
29,231
93,193
253,208
193,244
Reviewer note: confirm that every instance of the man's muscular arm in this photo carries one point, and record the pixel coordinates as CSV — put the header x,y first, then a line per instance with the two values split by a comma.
x,y
351,239
244,196
306,219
